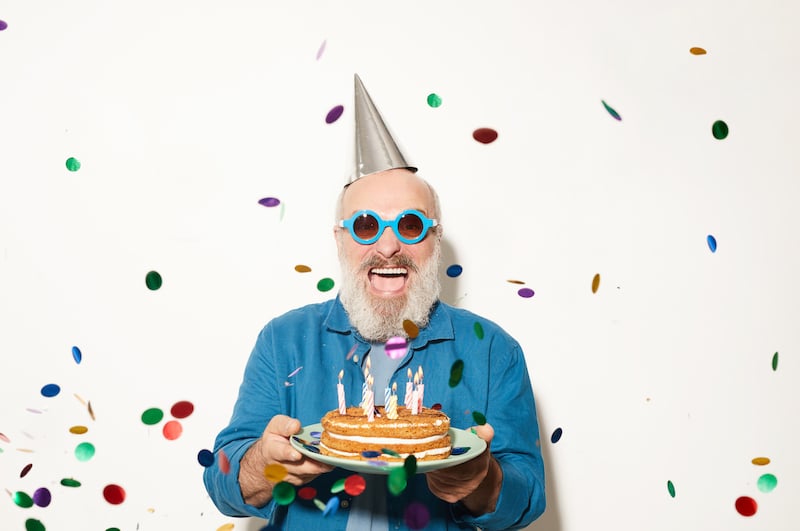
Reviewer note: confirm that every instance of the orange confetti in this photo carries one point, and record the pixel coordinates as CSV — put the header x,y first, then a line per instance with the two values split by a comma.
x,y
78,430
761,461
275,472
300,268
515,281
411,328
596,283
697,51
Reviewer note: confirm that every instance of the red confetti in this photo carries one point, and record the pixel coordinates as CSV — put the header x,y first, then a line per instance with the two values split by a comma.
x,y
182,409
484,135
114,494
307,493
172,430
354,485
746,506
26,470
223,462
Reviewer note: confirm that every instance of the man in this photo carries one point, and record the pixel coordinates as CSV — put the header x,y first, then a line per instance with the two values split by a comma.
x,y
388,238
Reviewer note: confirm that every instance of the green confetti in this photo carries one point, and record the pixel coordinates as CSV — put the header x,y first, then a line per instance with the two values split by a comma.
x,y
775,362
73,164
32,524
153,280
338,486
767,483
389,451
84,451
69,482
397,481
614,114
283,493
671,488
326,284
456,372
410,465
434,100
22,499
719,130
479,418
152,416
478,330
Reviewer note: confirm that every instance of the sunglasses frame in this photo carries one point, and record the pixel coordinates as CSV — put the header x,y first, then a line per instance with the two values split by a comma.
x,y
427,224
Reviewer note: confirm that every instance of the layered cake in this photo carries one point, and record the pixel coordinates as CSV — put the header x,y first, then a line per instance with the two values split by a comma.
x,y
352,436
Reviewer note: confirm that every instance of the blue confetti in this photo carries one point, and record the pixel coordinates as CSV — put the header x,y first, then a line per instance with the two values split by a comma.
x,y
712,243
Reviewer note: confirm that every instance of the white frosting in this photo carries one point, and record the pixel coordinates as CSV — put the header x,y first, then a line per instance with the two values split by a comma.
x,y
384,441
418,455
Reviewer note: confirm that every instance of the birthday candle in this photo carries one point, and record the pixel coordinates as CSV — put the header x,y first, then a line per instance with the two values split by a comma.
x,y
409,387
415,396
370,402
340,392
386,394
420,389
391,409
364,386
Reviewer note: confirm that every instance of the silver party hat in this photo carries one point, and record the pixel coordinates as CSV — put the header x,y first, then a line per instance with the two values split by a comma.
x,y
376,150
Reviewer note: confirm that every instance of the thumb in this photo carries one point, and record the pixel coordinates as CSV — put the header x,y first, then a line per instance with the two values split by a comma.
x,y
485,432
283,426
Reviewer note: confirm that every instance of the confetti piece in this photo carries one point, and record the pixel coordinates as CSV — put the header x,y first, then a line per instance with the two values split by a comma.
x,y
337,487
325,284
223,462
77,355
396,481
351,351
614,114
454,270
153,280
334,114
456,372
746,506
319,504
275,472
69,482
283,493
596,283
84,451
25,470
370,454
515,281
50,390
437,406
556,435
695,50
309,493
478,328
172,430
321,49
4,438
712,243
152,416
182,409
410,465
479,418
459,450
525,293
396,347
205,458
302,268
760,461
389,451
114,494
720,130
775,362
42,497
90,410
73,164
226,527
416,516
331,507
434,100
269,201
294,372
410,328
484,135
3,25
671,489
22,499
32,524
354,484
767,483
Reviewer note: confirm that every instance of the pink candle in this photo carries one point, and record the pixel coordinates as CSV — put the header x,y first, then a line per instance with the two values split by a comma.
x,y
340,392
415,396
409,387
420,389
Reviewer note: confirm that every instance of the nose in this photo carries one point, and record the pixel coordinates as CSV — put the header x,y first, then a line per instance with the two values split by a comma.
x,y
388,245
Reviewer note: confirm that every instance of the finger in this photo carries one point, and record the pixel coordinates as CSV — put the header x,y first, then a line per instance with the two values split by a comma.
x,y
283,425
485,432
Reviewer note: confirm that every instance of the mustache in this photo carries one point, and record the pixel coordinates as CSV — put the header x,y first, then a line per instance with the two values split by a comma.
x,y
378,262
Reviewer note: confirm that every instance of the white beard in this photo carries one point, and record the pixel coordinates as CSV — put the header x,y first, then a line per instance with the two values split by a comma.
x,y
378,319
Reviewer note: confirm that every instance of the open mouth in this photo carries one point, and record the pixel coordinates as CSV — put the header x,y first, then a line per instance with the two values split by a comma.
x,y
388,279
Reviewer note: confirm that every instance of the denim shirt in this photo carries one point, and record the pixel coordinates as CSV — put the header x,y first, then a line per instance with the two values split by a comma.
x,y
294,368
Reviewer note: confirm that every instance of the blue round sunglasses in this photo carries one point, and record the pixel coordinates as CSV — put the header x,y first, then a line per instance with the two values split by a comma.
x,y
366,227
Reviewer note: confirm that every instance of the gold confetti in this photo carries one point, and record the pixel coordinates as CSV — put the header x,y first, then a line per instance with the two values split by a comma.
x,y
300,268
515,281
89,408
596,283
78,430
411,328
761,461
695,50
275,472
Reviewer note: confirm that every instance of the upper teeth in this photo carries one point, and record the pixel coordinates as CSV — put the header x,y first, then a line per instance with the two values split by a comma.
x,y
390,271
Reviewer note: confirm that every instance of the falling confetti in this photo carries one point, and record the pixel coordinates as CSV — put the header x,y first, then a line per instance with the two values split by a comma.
x,y
205,458
70,482
321,49
478,328
596,283
331,507
410,328
695,50
3,25
746,506
337,487
22,499
84,451
556,435
269,201
182,409
77,355
456,372
410,465
4,438
479,418
515,281
334,114
153,280
226,527
302,268
354,485
114,494
42,497
671,488
720,130
326,284
396,347
50,390
416,516
223,462
712,243
760,461
73,164
25,470
614,114
434,100
172,430
294,372
525,293
454,270
152,416
484,135
767,483
775,362
307,493
283,493
275,472
397,481
32,524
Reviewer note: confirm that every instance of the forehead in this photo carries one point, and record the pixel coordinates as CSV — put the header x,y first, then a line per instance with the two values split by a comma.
x,y
388,193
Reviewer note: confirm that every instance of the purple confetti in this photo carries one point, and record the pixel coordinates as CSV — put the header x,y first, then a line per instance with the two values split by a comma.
x,y
321,49
334,114
526,293
42,497
416,516
3,25
269,201
295,372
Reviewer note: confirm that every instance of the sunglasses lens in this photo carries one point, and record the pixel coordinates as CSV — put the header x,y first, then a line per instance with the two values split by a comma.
x,y
365,226
410,226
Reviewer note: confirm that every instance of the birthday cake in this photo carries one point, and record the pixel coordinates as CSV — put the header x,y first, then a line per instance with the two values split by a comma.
x,y
425,434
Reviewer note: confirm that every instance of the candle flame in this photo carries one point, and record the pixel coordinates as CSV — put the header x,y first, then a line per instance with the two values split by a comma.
x,y
341,373
416,379
409,373
394,387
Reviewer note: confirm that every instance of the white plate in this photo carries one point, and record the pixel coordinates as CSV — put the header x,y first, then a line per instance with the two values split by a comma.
x,y
458,439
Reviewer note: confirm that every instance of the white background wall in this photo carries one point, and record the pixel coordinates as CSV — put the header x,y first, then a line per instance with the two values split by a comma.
x,y
184,114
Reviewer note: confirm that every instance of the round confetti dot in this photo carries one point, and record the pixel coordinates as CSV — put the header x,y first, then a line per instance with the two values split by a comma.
x,y
77,355
223,462
370,454
69,482
720,130
671,489
695,50
326,284
396,347
22,499
153,280
27,468
4,438
454,270
456,372
556,435
51,390
484,135
459,450
205,458
73,164
32,524
334,114
3,25
525,293
307,493
767,483
614,114
416,516
775,362
712,243
396,481
283,493
479,418
761,461
275,472
410,328
269,201
78,430
746,506
114,494
302,268
596,283
434,100
478,328
42,497
172,430
182,409
84,451
331,507
354,484
152,416
410,465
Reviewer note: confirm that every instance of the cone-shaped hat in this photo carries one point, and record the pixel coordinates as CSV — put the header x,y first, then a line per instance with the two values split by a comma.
x,y
376,150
